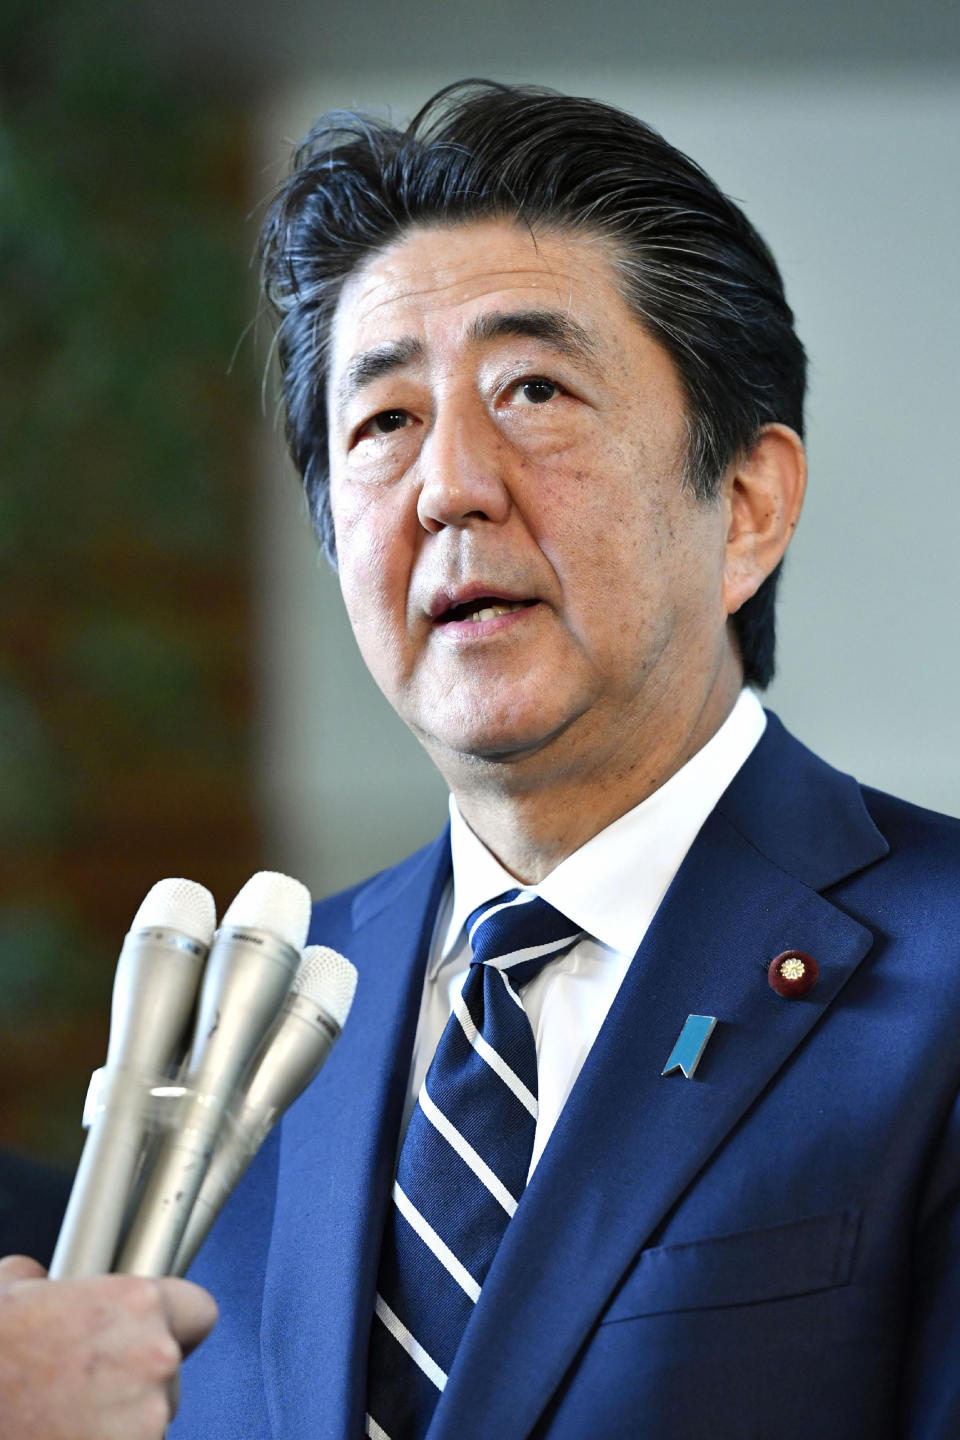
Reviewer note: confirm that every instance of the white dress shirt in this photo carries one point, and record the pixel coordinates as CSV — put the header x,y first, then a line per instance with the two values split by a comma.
x,y
610,888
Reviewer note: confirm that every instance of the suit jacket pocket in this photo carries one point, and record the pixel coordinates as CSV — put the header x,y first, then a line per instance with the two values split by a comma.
x,y
771,1263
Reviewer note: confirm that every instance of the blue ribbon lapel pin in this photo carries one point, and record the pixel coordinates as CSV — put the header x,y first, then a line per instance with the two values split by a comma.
x,y
691,1043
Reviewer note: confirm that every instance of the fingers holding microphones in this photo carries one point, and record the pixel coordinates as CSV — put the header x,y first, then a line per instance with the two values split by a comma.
x,y
191,1312
19,1267
93,1359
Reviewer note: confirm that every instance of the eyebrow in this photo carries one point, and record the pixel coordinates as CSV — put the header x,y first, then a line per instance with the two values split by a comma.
x,y
549,326
370,365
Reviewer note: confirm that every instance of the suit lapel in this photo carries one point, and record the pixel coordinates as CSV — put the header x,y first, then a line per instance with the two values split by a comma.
x,y
336,1166
630,1141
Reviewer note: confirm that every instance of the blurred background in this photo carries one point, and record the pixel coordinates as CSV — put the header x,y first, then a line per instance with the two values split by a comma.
x,y
178,690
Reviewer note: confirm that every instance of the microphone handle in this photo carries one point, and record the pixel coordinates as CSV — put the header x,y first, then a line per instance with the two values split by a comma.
x,y
153,996
290,1058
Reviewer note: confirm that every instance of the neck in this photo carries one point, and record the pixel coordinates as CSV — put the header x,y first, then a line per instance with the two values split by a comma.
x,y
534,812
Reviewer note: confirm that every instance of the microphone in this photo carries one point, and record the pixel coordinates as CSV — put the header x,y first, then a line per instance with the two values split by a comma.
x,y
255,953
154,991
290,1057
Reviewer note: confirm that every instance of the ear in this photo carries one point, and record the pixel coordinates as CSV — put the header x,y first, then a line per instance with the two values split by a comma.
x,y
762,494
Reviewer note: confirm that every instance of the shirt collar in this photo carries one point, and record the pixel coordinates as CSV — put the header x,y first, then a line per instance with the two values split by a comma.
x,y
611,887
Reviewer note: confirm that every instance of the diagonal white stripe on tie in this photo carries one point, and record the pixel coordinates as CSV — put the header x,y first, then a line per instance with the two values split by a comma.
x,y
533,952
524,898
415,1350
467,1153
510,990
375,1431
496,1061
433,1242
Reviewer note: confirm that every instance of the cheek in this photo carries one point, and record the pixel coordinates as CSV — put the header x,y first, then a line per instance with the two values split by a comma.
x,y
376,618
641,563
608,527
373,565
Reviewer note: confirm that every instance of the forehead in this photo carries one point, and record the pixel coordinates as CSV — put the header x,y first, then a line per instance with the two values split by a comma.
x,y
434,281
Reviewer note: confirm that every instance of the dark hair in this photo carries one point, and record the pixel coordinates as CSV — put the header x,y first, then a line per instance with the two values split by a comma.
x,y
697,274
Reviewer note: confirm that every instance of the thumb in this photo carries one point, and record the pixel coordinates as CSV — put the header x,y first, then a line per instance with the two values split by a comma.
x,y
19,1267
191,1311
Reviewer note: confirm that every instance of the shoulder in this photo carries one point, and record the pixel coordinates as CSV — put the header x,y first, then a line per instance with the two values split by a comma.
x,y
908,893
843,838
922,868
911,828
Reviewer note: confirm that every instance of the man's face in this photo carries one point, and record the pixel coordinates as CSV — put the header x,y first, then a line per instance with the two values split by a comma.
x,y
524,571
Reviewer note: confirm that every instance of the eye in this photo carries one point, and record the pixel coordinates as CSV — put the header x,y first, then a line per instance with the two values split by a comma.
x,y
537,390
384,423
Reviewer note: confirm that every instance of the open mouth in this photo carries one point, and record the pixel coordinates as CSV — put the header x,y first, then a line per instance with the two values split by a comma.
x,y
485,607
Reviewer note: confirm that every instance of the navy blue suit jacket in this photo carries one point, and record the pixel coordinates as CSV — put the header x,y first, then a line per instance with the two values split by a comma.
x,y
771,1249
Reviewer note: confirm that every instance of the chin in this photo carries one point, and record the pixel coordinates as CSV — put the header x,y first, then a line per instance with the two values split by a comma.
x,y
489,743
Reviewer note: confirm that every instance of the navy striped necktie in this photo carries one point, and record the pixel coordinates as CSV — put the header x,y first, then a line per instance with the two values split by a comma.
x,y
463,1165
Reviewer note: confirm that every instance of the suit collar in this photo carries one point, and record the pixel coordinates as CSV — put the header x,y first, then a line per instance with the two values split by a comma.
x,y
402,882
804,815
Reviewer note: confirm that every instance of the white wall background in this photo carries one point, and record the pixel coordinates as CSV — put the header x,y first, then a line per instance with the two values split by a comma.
x,y
851,175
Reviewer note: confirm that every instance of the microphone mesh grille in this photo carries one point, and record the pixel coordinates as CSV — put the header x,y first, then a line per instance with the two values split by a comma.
x,y
273,902
178,905
328,980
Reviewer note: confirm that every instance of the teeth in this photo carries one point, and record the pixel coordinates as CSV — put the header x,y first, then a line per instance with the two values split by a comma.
x,y
492,611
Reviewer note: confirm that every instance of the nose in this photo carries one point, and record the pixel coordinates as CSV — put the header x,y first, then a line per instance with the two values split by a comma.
x,y
463,470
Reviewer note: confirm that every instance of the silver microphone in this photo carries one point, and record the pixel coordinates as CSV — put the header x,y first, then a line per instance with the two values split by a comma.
x,y
154,992
255,953
292,1053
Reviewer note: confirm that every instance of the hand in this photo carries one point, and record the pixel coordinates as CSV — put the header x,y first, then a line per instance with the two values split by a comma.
x,y
93,1359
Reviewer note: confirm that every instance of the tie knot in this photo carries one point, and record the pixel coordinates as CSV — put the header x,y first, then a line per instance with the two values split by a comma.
x,y
520,933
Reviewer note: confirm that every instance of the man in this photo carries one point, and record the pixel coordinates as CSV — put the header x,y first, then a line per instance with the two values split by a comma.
x,y
543,387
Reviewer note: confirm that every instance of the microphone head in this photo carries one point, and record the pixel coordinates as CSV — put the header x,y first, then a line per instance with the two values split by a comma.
x,y
180,905
328,980
273,902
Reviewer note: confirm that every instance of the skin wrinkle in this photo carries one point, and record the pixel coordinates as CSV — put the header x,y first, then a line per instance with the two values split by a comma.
x,y
563,334
608,253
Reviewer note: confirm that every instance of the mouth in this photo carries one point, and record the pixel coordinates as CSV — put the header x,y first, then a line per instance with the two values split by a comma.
x,y
480,608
